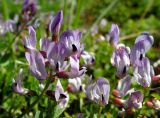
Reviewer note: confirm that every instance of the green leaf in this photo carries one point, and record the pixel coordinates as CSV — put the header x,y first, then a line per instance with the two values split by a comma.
x,y
156,95
58,111
37,114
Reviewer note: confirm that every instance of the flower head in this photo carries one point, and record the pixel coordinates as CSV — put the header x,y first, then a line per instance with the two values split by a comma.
x,y
30,41
124,86
75,85
37,64
63,101
88,58
17,84
120,59
143,73
29,9
114,35
55,25
135,100
71,40
56,54
99,91
142,44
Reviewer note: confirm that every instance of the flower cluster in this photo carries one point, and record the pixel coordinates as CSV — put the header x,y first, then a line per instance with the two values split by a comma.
x,y
123,58
58,57
29,9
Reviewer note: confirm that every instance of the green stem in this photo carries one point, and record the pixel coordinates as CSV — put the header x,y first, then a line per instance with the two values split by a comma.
x,y
65,14
38,98
100,111
5,9
71,14
79,5
49,110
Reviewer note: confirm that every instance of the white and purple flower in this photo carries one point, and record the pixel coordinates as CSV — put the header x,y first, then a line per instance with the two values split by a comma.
x,y
98,91
17,84
120,59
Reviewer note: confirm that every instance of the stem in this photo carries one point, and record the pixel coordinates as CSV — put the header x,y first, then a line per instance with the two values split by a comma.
x,y
5,9
130,36
49,108
65,14
100,111
38,98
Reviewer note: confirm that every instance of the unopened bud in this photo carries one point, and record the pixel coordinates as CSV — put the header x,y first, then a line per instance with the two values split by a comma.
x,y
115,93
156,78
149,104
118,101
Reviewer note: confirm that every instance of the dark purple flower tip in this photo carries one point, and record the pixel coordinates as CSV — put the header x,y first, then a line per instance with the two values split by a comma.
x,y
51,94
55,25
142,73
29,9
114,35
17,84
37,64
71,40
99,91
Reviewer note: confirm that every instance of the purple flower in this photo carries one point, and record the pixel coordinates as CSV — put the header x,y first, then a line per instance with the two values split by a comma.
x,y
134,101
114,35
37,64
71,40
75,85
99,91
74,70
124,86
30,41
7,26
55,25
56,56
11,26
143,72
59,92
28,9
17,84
88,58
44,46
142,44
120,59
